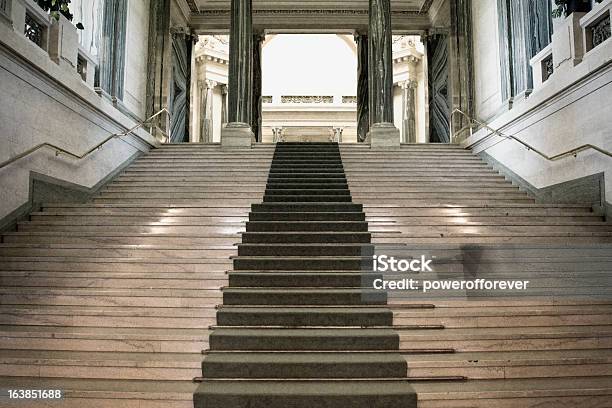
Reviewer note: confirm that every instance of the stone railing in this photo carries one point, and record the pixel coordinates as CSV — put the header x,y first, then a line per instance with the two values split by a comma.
x,y
574,38
310,99
542,66
596,25
58,38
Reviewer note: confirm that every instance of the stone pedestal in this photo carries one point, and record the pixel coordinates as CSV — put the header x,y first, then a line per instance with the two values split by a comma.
x,y
237,135
63,43
384,135
567,43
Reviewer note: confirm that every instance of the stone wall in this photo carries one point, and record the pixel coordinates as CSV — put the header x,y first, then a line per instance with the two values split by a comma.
x,y
45,102
568,110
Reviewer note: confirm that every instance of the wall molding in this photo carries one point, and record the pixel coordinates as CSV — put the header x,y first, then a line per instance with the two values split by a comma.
x,y
588,190
44,189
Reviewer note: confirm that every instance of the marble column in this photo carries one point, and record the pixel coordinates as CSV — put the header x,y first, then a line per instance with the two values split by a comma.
x,y
383,132
363,115
461,72
258,40
206,110
409,110
112,52
158,66
223,105
237,132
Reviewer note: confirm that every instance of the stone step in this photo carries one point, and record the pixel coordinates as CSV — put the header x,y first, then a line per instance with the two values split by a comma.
x,y
118,238
510,393
135,219
370,393
299,296
309,207
305,237
272,263
307,216
101,365
513,364
270,192
305,250
122,251
304,365
108,393
140,340
313,226
511,339
162,264
214,230
304,316
306,198
303,339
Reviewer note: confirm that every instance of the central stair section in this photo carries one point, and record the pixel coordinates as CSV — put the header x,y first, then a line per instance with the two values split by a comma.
x,y
299,326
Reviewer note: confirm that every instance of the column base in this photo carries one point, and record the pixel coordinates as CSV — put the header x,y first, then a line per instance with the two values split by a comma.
x,y
237,135
384,135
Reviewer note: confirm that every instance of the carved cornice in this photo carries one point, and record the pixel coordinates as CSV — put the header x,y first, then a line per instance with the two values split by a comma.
x,y
426,6
192,6
326,12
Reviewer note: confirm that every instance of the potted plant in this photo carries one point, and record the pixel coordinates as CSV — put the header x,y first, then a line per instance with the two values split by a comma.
x,y
57,7
63,38
567,7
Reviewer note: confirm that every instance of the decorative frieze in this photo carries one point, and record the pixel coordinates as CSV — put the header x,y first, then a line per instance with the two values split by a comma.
x,y
306,99
4,7
600,31
548,68
266,99
349,99
326,12
33,30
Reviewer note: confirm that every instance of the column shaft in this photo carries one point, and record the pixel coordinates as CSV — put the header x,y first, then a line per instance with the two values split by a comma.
x,y
380,65
241,63
409,111
363,114
256,114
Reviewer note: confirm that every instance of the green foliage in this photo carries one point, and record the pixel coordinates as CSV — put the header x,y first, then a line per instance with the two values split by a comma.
x,y
57,7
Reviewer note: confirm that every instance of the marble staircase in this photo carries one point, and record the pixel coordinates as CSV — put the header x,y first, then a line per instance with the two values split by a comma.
x,y
115,299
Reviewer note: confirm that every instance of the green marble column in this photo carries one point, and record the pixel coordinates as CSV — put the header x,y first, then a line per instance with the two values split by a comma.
x,y
382,133
380,66
241,63
237,132
363,114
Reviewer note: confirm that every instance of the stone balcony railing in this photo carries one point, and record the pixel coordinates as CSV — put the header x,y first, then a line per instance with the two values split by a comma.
x,y
574,38
58,38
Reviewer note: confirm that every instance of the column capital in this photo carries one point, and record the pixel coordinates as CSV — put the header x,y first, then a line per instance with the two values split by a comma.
x,y
409,84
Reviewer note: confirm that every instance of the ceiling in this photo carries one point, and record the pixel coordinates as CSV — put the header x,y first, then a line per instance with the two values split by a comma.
x,y
404,5
286,16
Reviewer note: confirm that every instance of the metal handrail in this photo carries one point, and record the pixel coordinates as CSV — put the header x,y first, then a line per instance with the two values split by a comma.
x,y
572,152
59,150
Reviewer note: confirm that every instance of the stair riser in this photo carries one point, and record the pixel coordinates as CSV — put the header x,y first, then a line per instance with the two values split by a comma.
x,y
280,250
307,216
97,372
255,318
375,400
109,321
339,343
296,238
313,227
304,370
272,207
307,199
285,264
288,298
